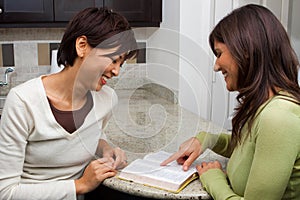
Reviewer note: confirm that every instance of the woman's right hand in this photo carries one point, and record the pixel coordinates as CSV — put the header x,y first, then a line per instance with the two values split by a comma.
x,y
96,172
188,152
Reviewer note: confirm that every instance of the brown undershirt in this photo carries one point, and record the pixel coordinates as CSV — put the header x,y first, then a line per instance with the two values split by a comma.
x,y
72,120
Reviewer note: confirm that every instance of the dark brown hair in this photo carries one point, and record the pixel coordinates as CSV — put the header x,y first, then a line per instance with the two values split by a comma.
x,y
103,28
261,48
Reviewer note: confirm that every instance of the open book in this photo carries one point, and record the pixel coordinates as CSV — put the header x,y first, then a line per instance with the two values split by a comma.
x,y
148,171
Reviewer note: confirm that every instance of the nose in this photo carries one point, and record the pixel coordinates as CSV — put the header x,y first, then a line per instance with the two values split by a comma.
x,y
115,71
217,67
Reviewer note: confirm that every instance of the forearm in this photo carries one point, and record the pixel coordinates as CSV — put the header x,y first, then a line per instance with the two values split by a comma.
x,y
59,190
103,146
214,181
219,143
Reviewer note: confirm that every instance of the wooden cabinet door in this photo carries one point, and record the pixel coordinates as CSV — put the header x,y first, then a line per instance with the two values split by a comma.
x,y
56,13
133,10
66,9
26,10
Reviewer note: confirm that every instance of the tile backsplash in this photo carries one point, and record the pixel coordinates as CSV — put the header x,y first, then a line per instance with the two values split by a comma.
x,y
45,52
7,55
28,51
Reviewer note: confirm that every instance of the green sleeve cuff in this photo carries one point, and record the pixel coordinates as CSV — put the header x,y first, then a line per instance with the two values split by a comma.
x,y
201,137
219,143
214,181
207,140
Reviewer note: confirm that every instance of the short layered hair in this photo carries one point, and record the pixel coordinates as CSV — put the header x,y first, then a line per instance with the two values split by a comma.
x,y
103,29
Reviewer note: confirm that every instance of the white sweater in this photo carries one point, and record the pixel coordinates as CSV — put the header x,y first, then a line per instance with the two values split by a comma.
x,y
38,158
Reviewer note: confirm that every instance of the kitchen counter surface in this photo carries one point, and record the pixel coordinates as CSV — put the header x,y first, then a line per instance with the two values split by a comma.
x,y
193,190
144,123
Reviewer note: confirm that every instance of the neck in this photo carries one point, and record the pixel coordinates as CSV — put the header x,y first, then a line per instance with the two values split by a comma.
x,y
63,91
271,93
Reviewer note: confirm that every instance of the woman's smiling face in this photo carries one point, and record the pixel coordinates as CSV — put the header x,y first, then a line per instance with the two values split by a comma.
x,y
227,65
97,68
111,70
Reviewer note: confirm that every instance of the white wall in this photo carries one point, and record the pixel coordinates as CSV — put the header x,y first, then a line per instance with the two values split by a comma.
x,y
196,59
294,27
223,102
294,24
178,53
179,56
163,48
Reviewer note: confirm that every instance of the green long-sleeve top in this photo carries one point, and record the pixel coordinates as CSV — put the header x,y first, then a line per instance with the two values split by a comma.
x,y
265,165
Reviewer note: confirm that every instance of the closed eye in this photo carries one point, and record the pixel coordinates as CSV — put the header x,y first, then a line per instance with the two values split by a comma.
x,y
218,52
116,60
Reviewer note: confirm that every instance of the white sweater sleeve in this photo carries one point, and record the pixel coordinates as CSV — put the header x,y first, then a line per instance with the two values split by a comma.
x,y
15,126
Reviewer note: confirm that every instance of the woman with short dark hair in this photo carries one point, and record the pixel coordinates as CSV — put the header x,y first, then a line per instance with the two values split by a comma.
x,y
254,54
51,140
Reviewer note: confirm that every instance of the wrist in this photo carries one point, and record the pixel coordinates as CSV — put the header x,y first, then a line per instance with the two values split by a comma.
x,y
103,146
80,187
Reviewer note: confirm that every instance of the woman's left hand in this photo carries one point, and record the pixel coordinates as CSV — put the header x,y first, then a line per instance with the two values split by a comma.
x,y
204,167
117,154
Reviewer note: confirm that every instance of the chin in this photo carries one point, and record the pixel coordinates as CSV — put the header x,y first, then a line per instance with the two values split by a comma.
x,y
98,88
229,88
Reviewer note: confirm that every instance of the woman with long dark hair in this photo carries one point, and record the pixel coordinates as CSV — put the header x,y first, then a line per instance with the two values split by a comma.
x,y
254,54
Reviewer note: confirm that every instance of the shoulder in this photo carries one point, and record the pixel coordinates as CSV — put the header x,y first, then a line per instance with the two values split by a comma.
x,y
27,90
24,100
280,108
29,83
279,116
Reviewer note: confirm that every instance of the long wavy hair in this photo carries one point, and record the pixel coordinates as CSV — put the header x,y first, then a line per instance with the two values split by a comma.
x,y
265,58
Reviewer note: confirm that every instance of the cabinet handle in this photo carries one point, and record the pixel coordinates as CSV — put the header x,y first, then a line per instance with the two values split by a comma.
x,y
1,10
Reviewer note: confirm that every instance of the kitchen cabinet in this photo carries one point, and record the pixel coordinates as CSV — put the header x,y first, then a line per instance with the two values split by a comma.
x,y
15,11
138,12
57,13
65,9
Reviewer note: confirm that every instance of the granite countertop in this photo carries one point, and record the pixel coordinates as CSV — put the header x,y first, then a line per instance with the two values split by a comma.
x,y
193,190
143,123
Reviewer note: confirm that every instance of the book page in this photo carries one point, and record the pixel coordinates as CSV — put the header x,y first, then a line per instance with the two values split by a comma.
x,y
160,156
172,178
141,166
150,167
157,156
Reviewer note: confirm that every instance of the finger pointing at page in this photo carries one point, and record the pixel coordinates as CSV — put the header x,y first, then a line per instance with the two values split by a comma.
x,y
189,161
188,152
173,157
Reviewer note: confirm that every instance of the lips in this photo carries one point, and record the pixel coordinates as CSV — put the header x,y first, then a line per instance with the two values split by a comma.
x,y
225,74
103,80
